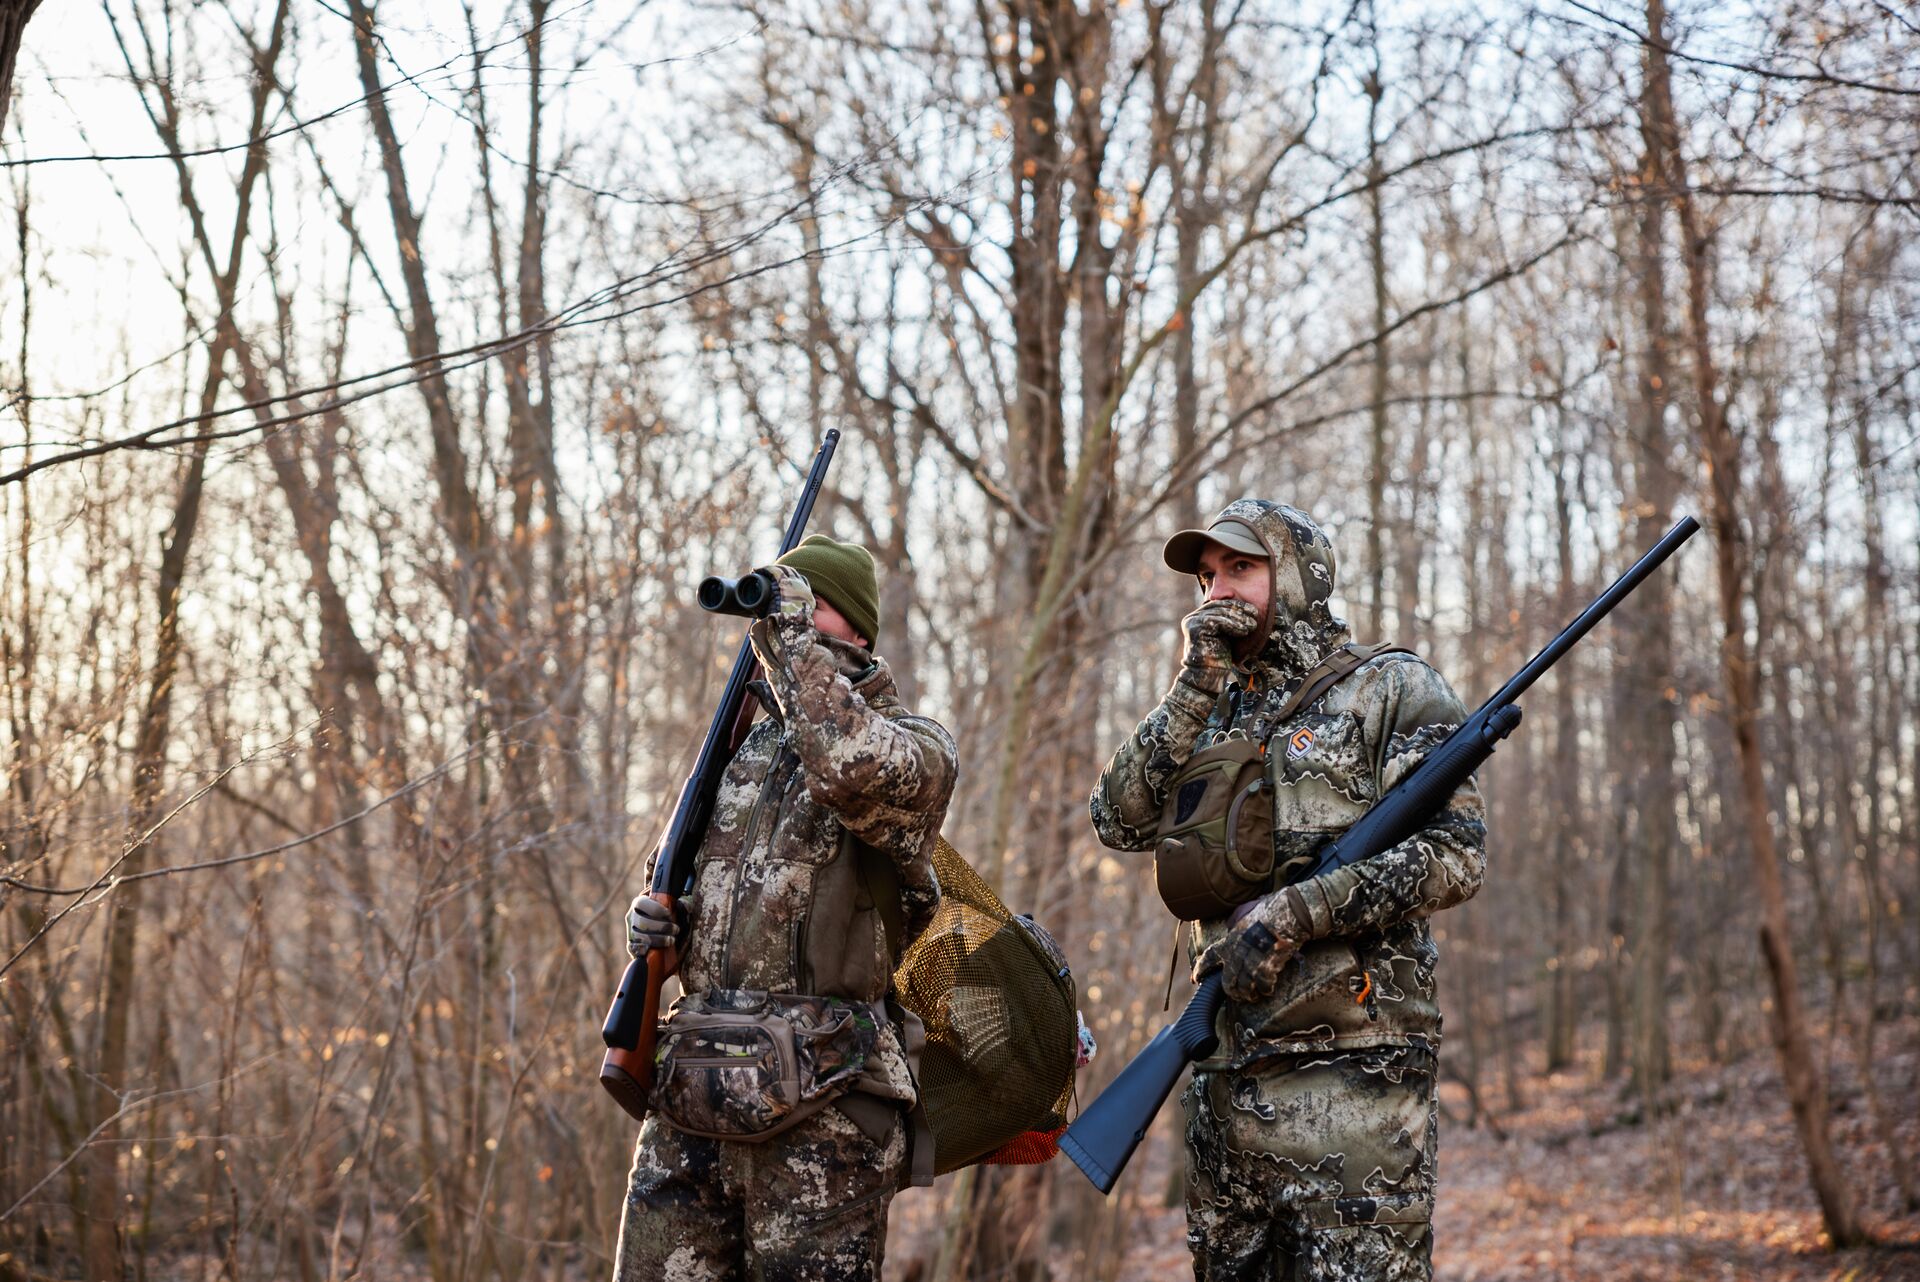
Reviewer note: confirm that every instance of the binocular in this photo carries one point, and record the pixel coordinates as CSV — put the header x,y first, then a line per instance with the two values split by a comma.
x,y
750,595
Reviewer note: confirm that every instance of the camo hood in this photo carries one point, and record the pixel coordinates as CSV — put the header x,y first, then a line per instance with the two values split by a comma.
x,y
1300,627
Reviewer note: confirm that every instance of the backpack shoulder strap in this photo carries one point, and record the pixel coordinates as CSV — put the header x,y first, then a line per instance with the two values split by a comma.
x,y
882,883
1332,670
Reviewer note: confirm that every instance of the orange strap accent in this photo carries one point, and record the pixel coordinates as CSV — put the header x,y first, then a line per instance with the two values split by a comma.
x,y
1366,990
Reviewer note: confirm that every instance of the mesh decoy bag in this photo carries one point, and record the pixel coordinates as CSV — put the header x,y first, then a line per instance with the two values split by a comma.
x,y
1002,1018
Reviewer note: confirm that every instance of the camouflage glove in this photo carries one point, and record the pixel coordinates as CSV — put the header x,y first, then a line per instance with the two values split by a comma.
x,y
1251,955
1211,632
652,925
786,635
792,611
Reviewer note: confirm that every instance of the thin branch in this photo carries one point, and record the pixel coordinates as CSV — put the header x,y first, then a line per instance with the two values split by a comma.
x,y
580,313
1752,69
106,874
298,126
411,786
128,1105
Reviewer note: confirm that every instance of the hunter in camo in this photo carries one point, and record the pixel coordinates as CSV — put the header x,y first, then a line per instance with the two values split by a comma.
x,y
779,906
1311,1136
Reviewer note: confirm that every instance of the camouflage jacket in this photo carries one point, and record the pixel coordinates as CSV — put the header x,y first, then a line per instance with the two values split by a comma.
x,y
1366,978
780,903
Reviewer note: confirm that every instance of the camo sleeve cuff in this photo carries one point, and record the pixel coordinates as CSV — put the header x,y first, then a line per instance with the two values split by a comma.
x,y
1312,908
1195,691
1127,800
887,779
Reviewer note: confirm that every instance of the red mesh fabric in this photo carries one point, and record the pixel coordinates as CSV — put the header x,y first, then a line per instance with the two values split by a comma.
x,y
1030,1149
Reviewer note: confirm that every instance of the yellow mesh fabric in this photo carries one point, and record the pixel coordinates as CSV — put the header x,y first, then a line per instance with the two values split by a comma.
x,y
1001,1015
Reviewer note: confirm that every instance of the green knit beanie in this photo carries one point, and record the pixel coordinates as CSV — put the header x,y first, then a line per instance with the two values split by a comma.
x,y
843,574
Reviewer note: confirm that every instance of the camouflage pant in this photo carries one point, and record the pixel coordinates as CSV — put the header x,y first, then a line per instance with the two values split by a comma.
x,y
1318,1168
809,1205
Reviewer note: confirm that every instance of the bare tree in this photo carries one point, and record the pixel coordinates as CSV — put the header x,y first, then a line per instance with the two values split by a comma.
x,y
13,25
494,365
1741,674
103,1207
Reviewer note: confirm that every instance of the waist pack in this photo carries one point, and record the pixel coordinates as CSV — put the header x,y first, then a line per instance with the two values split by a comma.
x,y
739,1064
1215,848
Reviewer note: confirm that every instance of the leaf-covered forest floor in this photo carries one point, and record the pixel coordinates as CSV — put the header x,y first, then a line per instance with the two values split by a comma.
x,y
1713,1188
1577,1185
1573,1185
1583,1189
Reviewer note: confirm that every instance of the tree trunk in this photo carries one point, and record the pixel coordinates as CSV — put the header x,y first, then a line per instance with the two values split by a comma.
x,y
1378,443
1647,685
1732,564
1868,837
13,25
101,1246
1566,791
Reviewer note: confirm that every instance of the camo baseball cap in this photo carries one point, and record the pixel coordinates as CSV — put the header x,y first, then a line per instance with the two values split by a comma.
x,y
1183,549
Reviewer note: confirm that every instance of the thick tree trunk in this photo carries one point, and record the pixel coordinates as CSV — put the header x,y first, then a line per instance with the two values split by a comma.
x,y
13,25
1031,72
1647,685
1732,563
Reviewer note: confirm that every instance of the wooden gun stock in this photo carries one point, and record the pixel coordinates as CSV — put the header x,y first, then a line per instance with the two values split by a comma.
x,y
626,1070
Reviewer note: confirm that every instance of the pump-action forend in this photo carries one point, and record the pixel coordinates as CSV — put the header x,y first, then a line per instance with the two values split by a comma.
x,y
627,1069
1102,1139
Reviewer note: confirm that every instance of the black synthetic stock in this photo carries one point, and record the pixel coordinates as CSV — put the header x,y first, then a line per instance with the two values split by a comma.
x,y
1102,1139
1194,1029
622,1029
673,863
